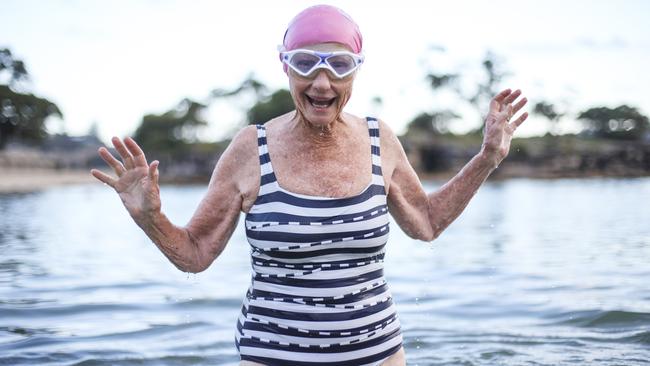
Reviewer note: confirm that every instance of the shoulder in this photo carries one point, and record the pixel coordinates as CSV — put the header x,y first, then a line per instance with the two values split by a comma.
x,y
393,157
391,146
241,154
243,140
238,165
278,122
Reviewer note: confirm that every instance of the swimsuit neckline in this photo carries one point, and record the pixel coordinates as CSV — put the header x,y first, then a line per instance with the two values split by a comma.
x,y
310,196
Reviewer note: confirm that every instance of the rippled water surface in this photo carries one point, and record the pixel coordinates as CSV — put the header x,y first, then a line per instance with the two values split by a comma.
x,y
533,273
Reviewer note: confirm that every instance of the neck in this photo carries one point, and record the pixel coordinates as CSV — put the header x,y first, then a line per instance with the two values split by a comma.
x,y
318,135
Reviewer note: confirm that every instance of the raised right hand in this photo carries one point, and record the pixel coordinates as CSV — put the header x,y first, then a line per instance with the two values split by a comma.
x,y
136,182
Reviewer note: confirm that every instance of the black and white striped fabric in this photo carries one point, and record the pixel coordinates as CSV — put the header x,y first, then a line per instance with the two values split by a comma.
x,y
318,294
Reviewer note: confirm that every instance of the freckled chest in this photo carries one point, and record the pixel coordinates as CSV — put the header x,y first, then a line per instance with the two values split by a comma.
x,y
341,168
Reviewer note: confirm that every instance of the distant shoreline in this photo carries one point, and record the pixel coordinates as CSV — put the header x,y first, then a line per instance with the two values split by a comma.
x,y
23,180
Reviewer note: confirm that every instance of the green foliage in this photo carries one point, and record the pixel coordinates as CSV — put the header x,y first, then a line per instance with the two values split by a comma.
x,y
250,83
488,88
22,115
171,132
264,106
485,90
436,122
622,122
441,80
277,104
16,68
548,111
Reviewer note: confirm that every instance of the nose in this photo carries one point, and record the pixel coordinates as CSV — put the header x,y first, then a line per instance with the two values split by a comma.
x,y
321,80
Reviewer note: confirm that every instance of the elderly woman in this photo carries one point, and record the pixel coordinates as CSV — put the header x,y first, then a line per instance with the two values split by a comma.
x,y
316,185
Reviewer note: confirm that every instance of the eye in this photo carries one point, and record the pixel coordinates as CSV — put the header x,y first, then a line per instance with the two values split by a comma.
x,y
304,61
341,63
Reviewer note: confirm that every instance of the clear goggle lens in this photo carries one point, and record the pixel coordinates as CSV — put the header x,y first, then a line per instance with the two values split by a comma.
x,y
305,62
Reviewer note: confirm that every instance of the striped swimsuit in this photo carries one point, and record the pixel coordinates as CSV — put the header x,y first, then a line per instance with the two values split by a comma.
x,y
318,294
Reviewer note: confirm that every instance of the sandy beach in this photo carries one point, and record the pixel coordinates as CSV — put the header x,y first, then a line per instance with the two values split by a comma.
x,y
21,180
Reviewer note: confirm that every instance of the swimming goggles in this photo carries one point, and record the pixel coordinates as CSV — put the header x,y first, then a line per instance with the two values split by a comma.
x,y
305,62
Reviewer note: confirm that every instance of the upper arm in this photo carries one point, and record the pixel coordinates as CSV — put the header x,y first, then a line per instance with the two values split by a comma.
x,y
233,183
407,201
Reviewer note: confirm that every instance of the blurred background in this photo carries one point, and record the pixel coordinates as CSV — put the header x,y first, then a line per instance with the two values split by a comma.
x,y
547,266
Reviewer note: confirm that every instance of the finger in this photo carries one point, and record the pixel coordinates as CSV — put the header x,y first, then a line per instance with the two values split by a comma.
x,y
512,96
502,95
153,172
520,120
519,105
103,177
124,153
136,152
495,103
111,161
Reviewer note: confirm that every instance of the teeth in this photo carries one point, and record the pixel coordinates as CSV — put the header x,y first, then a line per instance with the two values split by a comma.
x,y
320,103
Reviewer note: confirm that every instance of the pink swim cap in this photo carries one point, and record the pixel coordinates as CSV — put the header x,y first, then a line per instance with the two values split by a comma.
x,y
321,24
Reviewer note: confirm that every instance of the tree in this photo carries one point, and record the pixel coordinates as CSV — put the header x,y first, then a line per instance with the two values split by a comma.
x,y
488,88
22,114
622,122
16,68
485,90
173,131
249,84
436,122
438,81
549,111
277,104
265,105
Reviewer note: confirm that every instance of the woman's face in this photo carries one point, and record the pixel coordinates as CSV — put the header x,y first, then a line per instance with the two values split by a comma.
x,y
320,97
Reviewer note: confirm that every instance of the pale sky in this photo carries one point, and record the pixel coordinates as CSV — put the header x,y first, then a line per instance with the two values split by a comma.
x,y
111,62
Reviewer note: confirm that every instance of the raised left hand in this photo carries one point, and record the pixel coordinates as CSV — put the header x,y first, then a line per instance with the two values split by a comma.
x,y
499,125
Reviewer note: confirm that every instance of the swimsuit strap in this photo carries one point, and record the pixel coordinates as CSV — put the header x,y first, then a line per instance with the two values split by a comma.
x,y
373,130
266,169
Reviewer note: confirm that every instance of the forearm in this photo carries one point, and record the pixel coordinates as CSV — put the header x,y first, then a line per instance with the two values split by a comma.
x,y
176,243
448,202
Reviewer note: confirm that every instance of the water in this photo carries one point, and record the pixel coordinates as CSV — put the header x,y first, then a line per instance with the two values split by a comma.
x,y
533,273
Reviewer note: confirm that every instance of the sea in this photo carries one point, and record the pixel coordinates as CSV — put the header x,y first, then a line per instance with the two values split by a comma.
x,y
534,272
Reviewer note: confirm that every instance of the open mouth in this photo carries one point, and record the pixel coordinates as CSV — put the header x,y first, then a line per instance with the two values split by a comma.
x,y
320,102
